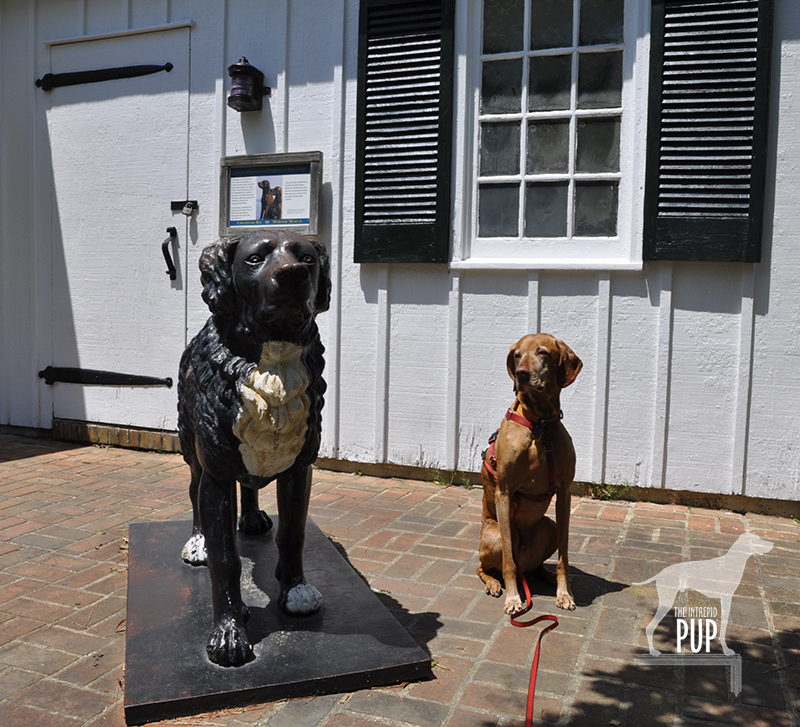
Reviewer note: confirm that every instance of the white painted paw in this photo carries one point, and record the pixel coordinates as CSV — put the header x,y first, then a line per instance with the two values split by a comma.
x,y
302,600
194,552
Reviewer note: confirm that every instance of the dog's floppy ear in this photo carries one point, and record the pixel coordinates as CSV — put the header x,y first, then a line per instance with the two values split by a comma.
x,y
569,366
510,365
323,300
216,276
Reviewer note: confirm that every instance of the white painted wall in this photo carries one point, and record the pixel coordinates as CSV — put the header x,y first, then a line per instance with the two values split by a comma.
x,y
690,369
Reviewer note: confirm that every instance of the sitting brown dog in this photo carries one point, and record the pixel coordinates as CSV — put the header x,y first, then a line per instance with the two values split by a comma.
x,y
530,459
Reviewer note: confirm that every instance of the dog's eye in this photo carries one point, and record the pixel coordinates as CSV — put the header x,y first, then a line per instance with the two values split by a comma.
x,y
541,352
254,259
307,259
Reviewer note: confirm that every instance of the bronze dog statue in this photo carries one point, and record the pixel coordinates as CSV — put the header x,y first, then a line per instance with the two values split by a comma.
x,y
250,395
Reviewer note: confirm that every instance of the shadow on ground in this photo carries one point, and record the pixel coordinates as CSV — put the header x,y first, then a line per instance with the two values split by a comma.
x,y
630,694
422,627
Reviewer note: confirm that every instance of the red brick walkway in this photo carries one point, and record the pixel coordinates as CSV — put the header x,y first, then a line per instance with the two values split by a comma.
x,y
64,513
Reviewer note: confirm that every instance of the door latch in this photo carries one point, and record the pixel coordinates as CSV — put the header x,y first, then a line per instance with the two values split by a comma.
x,y
186,207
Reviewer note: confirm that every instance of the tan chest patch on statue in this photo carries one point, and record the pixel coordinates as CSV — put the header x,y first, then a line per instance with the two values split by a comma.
x,y
271,424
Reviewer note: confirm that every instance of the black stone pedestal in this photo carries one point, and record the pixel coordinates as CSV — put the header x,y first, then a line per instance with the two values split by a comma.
x,y
352,643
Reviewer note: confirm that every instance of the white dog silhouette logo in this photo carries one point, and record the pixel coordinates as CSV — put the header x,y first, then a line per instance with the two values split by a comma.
x,y
715,578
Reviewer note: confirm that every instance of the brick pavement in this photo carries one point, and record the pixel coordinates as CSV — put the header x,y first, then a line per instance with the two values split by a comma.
x,y
64,514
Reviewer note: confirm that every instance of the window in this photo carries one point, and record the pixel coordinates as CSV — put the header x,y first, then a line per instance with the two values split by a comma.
x,y
555,154
549,123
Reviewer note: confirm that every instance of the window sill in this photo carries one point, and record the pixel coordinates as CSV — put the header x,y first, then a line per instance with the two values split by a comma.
x,y
546,264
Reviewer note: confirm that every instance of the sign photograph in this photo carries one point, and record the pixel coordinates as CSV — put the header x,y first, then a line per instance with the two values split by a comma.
x,y
270,190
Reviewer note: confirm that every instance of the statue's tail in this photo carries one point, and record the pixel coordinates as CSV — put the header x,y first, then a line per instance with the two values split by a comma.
x,y
641,583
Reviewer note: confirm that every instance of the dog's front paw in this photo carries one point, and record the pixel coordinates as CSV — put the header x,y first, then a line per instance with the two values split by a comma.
x,y
301,600
228,644
255,523
194,552
565,601
513,605
493,588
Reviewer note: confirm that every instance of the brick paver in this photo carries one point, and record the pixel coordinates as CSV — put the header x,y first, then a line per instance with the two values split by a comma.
x,y
64,515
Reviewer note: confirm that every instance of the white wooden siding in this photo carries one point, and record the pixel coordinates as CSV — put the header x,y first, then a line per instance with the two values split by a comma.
x,y
690,377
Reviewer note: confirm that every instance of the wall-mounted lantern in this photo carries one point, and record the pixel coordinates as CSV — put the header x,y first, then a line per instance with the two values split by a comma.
x,y
247,86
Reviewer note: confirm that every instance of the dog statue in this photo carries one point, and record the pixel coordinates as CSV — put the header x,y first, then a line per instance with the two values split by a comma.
x,y
250,395
530,459
715,578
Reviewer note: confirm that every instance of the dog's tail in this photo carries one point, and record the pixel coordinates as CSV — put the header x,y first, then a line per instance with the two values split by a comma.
x,y
641,583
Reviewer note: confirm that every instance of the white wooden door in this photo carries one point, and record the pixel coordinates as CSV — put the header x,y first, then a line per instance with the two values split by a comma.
x,y
119,157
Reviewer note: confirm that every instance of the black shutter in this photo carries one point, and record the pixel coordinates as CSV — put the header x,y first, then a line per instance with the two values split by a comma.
x,y
403,136
707,132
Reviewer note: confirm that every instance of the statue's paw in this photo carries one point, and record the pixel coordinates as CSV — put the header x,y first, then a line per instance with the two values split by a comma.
x,y
194,552
228,644
255,523
301,600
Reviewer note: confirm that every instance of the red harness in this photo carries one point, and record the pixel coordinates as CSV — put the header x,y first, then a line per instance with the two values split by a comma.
x,y
540,430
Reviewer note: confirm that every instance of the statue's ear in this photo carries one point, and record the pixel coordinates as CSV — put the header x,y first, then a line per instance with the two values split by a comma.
x,y
323,300
216,276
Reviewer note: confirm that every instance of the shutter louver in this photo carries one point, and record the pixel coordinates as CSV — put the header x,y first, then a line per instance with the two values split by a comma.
x,y
707,132
404,121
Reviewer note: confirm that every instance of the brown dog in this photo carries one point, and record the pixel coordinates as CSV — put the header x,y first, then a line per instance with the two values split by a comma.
x,y
520,476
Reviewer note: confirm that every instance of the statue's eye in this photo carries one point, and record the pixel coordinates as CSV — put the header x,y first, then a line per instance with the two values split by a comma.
x,y
307,259
254,259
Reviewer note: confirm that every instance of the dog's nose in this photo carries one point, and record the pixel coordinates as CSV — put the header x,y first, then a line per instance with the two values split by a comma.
x,y
291,272
523,376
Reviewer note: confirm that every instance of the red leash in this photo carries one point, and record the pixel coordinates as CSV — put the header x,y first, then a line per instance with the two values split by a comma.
x,y
525,624
539,431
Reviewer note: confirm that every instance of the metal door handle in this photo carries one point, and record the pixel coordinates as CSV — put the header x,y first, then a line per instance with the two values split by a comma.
x,y
173,235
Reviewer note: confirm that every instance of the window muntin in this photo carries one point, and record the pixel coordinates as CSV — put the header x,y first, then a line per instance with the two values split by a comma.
x,y
549,120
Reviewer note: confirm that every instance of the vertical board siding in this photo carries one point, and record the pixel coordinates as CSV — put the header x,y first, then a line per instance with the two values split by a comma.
x,y
705,364
18,257
417,366
632,376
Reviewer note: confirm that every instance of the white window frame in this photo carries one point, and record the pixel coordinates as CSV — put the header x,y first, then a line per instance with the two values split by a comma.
x,y
623,252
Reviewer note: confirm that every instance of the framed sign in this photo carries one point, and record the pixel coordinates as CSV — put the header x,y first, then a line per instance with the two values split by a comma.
x,y
270,190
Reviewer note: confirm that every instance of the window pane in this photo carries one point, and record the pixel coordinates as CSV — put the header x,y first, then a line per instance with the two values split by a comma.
x,y
551,24
503,22
500,148
596,209
549,83
501,87
600,80
546,210
598,145
548,147
498,210
601,21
